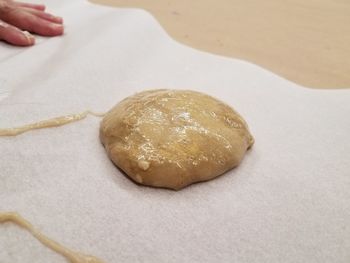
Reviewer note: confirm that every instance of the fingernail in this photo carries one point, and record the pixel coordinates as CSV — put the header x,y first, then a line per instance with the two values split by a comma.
x,y
56,26
58,18
29,36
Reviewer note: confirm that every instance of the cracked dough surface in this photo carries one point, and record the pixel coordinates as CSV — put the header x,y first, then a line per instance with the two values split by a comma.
x,y
173,138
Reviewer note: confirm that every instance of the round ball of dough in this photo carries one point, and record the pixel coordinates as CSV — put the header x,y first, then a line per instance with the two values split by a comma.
x,y
173,138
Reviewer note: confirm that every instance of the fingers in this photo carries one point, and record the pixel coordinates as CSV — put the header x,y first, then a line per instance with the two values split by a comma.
x,y
17,16
31,6
15,36
32,23
44,15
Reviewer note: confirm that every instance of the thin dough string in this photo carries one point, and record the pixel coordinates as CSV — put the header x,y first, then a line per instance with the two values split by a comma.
x,y
54,122
72,256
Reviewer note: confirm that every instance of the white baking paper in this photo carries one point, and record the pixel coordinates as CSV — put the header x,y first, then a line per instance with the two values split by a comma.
x,y
289,200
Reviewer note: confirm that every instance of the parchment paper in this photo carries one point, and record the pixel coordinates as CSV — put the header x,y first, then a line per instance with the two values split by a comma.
x,y
289,200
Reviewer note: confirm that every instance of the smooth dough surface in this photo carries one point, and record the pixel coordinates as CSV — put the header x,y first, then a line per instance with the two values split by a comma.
x,y
173,138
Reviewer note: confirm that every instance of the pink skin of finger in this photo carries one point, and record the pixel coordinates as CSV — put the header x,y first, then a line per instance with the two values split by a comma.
x,y
17,19
14,36
32,6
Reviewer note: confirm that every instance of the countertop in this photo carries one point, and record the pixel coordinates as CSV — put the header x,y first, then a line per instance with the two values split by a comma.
x,y
307,42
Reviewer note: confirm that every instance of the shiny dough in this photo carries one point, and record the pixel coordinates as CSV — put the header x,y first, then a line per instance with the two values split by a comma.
x,y
173,138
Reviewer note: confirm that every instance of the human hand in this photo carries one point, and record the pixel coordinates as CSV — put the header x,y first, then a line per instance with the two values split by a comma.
x,y
17,16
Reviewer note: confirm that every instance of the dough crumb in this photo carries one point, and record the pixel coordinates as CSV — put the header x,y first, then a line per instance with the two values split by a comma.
x,y
138,178
144,165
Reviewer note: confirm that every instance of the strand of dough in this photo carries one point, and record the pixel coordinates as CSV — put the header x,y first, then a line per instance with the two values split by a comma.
x,y
72,256
55,122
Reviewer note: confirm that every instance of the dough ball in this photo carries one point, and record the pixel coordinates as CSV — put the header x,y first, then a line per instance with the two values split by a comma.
x,y
173,138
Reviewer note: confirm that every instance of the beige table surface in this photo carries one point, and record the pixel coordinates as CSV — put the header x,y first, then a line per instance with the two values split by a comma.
x,y
307,42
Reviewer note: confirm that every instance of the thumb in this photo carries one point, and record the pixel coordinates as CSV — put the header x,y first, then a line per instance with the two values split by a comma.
x,y
15,36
